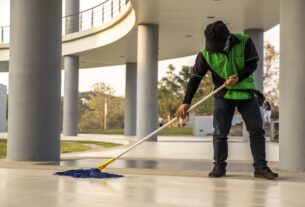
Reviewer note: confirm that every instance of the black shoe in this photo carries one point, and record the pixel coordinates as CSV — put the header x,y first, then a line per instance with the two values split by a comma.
x,y
265,172
217,172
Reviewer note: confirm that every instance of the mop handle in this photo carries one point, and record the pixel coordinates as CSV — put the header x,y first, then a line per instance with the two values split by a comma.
x,y
170,122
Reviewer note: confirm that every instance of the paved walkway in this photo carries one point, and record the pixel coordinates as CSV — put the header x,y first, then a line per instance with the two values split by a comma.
x,y
173,147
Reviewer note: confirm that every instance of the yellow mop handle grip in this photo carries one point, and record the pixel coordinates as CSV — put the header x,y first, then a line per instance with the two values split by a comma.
x,y
106,163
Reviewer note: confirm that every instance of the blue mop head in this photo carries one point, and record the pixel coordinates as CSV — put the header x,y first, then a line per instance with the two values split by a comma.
x,y
89,173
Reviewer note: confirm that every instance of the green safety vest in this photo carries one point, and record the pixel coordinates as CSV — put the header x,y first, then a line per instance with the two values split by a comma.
x,y
228,64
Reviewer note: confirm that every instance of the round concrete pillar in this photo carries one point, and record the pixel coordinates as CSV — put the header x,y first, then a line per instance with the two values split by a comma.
x,y
71,20
147,79
34,77
292,84
3,107
130,117
70,110
257,36
71,67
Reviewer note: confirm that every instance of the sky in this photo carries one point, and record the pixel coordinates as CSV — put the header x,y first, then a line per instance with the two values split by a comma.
x,y
87,77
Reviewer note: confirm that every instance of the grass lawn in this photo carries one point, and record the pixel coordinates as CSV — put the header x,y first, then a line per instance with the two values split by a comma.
x,y
181,131
2,148
167,131
103,144
102,131
66,146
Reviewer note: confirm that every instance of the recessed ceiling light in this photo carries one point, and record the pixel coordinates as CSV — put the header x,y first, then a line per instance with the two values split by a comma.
x,y
210,17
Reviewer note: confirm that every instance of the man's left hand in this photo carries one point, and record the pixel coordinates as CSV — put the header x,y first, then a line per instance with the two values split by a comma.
x,y
233,80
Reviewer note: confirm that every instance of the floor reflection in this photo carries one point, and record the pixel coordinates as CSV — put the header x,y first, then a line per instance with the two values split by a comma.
x,y
159,164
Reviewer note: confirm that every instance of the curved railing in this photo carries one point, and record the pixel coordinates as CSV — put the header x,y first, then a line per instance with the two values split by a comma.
x,y
83,20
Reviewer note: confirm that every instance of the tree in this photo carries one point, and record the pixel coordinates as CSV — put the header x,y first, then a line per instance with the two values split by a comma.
x,y
206,86
92,113
172,88
184,76
83,99
169,93
271,75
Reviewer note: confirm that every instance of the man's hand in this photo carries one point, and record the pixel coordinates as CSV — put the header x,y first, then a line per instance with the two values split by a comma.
x,y
233,80
182,111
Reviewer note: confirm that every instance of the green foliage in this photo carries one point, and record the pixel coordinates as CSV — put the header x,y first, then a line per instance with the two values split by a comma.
x,y
103,144
2,148
98,104
184,76
172,89
177,131
169,93
206,86
102,131
271,77
66,146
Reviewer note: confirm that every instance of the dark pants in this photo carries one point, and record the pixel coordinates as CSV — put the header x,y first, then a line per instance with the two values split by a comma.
x,y
250,112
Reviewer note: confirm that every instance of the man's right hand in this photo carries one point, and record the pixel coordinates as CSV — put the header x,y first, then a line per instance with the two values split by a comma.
x,y
182,111
233,80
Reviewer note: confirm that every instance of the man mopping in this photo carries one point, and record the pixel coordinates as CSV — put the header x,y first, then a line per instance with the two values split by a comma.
x,y
232,59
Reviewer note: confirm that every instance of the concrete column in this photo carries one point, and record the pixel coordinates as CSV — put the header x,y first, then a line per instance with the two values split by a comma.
x,y
71,66
292,84
147,79
130,117
71,20
3,107
257,36
34,77
70,110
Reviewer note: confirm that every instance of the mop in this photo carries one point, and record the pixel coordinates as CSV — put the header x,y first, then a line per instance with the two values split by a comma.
x,y
97,172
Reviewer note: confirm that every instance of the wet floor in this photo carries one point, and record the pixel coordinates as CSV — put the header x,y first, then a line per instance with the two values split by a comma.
x,y
36,188
203,165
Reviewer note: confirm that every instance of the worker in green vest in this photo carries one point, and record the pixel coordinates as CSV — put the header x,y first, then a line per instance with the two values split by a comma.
x,y
232,59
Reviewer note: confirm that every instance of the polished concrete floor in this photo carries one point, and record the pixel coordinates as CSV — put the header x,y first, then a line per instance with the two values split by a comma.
x,y
31,188
182,150
164,164
167,173
155,164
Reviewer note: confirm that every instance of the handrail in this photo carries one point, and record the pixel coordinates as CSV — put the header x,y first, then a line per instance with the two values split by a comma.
x,y
88,9
84,20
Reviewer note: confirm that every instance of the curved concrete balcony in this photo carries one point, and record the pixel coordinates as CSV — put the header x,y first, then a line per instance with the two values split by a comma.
x,y
98,26
111,37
